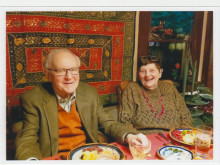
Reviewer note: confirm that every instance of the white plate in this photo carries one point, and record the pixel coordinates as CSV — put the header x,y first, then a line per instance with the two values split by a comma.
x,y
76,153
175,153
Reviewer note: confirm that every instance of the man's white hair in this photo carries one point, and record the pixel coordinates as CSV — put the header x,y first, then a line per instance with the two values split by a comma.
x,y
56,51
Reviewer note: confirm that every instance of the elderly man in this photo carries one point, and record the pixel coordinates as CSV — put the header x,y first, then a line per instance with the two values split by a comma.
x,y
64,113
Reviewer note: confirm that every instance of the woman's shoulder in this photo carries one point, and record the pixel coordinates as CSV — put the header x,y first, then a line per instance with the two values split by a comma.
x,y
133,84
166,86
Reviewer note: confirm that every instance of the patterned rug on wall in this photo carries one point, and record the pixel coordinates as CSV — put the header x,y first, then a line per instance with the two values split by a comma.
x,y
104,42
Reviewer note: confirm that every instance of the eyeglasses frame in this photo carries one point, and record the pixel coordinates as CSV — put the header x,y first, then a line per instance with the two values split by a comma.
x,y
56,70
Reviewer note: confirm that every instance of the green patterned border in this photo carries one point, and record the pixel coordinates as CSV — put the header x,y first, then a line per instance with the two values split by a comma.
x,y
124,16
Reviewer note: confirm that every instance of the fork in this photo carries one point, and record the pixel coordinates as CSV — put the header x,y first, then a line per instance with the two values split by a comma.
x,y
162,135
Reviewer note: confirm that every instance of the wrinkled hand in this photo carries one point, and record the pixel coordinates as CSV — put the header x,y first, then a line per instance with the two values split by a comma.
x,y
139,139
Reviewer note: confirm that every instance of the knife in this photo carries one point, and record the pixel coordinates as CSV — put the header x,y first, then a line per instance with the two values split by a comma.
x,y
162,135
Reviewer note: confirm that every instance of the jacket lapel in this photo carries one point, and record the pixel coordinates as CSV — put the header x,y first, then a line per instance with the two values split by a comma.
x,y
83,108
51,112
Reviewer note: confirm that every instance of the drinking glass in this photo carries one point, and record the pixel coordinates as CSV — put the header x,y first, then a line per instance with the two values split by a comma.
x,y
203,141
139,152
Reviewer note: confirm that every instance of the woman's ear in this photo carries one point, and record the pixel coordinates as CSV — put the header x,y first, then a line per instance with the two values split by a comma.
x,y
161,71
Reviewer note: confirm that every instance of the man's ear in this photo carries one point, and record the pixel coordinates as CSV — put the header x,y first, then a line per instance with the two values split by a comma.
x,y
47,74
45,71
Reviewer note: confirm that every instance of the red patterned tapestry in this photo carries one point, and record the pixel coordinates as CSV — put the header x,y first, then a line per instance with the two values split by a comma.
x,y
104,42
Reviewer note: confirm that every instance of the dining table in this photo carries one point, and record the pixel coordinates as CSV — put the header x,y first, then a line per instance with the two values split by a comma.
x,y
157,142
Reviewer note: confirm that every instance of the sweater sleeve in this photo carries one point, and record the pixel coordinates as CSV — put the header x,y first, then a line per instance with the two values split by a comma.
x,y
127,108
185,115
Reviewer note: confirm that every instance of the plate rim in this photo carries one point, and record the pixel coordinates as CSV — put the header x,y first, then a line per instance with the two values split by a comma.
x,y
193,156
92,144
182,142
170,134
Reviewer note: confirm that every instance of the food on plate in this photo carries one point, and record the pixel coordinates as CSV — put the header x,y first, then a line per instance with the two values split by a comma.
x,y
186,136
175,153
89,155
189,138
99,153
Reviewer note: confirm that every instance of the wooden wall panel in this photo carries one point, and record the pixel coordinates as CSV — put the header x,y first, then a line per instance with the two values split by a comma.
x,y
207,70
144,28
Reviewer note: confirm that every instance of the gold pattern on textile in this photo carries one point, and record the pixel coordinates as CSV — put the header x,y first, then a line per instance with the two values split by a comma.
x,y
32,22
44,79
110,14
117,61
101,41
122,29
93,13
46,40
107,53
90,75
17,23
43,23
91,41
95,65
19,41
106,28
22,80
70,41
19,54
19,67
115,28
129,40
98,27
66,26
105,73
118,41
102,87
87,27
32,40
43,58
58,39
107,99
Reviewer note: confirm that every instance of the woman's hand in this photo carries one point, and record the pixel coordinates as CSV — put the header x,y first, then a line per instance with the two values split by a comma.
x,y
139,139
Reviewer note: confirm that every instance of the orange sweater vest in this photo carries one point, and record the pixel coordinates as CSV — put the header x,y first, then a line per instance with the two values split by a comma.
x,y
71,134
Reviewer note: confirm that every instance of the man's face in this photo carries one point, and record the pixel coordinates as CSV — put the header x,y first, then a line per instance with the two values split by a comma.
x,y
64,85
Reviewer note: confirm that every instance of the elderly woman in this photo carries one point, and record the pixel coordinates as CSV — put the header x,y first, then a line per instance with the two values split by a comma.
x,y
152,105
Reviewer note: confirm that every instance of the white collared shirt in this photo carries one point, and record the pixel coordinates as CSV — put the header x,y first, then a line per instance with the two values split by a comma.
x,y
66,104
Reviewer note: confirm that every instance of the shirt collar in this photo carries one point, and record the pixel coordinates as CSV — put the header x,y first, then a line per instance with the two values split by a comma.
x,y
66,104
61,100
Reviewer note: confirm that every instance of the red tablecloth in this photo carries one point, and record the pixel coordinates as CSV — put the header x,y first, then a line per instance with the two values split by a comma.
x,y
156,143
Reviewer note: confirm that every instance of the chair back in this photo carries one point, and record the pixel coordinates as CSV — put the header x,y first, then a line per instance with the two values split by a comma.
x,y
121,88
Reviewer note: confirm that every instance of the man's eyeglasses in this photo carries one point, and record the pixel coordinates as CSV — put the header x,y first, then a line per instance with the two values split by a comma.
x,y
63,72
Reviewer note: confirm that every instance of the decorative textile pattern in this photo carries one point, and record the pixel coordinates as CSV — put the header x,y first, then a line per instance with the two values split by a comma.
x,y
104,42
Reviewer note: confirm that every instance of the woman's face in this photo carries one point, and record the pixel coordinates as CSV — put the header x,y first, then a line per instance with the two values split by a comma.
x,y
149,75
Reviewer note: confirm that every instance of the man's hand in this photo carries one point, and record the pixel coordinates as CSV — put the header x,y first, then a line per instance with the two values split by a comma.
x,y
139,139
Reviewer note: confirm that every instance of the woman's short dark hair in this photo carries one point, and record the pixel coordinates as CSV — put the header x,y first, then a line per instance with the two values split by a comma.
x,y
149,60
